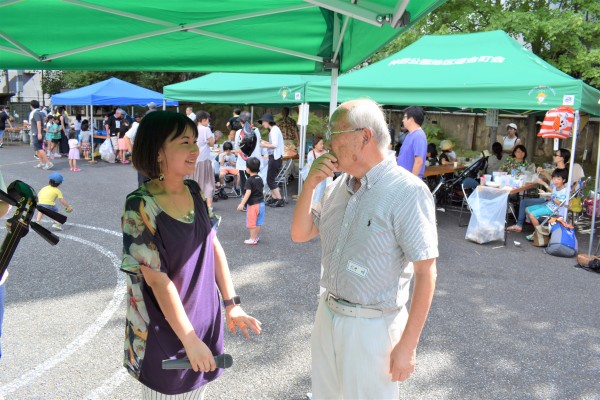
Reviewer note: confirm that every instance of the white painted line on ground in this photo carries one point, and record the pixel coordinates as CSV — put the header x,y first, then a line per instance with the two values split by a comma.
x,y
119,234
107,387
88,334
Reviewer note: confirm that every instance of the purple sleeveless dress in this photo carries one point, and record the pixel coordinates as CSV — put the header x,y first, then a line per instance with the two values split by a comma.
x,y
185,252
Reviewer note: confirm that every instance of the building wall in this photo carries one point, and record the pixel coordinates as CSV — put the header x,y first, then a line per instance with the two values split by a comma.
x,y
25,84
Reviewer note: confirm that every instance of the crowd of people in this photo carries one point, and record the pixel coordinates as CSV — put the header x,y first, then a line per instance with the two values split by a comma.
x,y
350,198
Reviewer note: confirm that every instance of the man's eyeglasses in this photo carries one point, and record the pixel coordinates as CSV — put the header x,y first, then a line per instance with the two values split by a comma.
x,y
329,134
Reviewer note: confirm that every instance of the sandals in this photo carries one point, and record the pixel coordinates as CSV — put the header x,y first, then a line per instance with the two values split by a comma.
x,y
514,228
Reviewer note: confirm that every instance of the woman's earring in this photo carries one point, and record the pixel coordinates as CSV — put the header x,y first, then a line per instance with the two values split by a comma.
x,y
161,177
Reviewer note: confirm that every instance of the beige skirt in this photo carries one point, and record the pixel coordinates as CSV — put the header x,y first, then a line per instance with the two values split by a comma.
x,y
205,176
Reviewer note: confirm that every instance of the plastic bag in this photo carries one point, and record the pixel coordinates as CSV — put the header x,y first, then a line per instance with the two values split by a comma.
x,y
106,151
488,214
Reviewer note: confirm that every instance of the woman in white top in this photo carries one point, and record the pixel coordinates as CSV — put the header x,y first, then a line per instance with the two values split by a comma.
x,y
275,149
205,174
511,139
317,151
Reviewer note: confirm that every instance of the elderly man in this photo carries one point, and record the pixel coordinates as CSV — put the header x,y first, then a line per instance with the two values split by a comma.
x,y
377,229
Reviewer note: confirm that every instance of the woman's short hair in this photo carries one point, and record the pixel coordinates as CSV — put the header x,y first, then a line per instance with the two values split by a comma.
x,y
565,154
154,130
432,150
317,139
227,146
519,147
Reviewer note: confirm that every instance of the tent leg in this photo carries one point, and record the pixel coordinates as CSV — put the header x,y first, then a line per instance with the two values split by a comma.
x,y
572,160
93,126
595,197
333,96
303,120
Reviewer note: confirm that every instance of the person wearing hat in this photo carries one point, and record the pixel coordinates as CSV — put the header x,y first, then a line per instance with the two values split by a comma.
x,y
511,140
48,195
275,150
448,156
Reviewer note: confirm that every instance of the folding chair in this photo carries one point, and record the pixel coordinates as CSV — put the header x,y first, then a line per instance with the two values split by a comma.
x,y
468,184
282,180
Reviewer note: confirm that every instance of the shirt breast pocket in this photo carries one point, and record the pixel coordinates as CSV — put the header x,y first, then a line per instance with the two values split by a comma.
x,y
379,235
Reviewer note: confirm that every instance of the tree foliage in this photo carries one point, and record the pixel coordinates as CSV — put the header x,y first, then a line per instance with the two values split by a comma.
x,y
565,33
150,80
52,82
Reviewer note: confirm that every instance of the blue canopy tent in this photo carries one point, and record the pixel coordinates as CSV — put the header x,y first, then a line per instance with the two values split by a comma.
x,y
110,92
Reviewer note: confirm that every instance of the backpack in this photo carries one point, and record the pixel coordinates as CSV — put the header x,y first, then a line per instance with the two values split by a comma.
x,y
236,124
563,242
248,141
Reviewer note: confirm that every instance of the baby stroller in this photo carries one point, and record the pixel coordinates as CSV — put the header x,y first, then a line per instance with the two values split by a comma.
x,y
448,190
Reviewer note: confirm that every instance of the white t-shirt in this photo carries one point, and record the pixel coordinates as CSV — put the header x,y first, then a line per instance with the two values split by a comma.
x,y
73,143
132,131
276,139
241,163
204,134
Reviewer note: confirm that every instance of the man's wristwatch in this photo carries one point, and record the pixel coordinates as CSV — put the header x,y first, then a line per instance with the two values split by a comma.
x,y
235,300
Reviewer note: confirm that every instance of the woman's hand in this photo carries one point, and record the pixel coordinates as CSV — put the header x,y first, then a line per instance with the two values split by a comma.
x,y
199,354
237,318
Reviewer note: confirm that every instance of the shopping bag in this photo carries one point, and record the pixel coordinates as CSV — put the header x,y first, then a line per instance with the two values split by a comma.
x,y
106,151
558,123
488,214
563,242
541,236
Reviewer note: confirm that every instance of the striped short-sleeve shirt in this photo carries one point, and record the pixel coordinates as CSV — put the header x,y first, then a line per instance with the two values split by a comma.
x,y
369,238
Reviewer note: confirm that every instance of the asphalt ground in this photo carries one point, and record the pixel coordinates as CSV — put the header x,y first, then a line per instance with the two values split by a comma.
x,y
506,322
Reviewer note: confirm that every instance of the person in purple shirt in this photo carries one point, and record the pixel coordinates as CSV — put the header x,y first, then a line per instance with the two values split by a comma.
x,y
175,266
414,148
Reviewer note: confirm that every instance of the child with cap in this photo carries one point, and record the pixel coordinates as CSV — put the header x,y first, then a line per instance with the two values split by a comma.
x,y
49,194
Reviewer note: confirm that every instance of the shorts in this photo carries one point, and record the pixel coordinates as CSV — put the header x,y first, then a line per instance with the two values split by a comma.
x,y
272,171
56,141
539,210
229,170
48,137
2,134
48,206
122,144
255,215
37,144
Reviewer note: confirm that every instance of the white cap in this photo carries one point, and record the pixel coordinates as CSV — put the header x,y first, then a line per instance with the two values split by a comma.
x,y
512,125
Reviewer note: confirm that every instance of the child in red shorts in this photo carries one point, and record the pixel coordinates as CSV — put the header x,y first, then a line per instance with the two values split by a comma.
x,y
254,199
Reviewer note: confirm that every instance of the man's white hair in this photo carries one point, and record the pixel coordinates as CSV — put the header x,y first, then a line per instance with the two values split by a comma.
x,y
365,113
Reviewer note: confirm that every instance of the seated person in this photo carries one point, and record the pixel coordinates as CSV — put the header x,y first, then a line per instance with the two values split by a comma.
x,y
557,199
448,156
560,160
496,160
432,155
227,162
516,161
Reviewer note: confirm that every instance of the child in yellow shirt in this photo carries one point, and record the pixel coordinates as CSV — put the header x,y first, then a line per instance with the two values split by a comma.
x,y
49,194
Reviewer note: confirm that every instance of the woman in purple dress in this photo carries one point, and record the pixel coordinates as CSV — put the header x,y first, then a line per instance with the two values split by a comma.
x,y
175,266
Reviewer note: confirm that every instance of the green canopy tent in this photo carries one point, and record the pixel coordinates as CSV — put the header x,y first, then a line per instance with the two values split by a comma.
x,y
241,88
250,89
268,36
476,70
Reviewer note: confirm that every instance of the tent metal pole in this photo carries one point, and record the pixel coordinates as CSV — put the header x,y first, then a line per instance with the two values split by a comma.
x,y
595,197
93,126
302,144
333,96
165,104
572,161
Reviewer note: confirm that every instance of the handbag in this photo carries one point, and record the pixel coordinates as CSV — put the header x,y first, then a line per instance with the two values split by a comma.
x,y
541,236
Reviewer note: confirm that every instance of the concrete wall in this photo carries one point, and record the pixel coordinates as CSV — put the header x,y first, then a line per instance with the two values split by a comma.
x,y
25,84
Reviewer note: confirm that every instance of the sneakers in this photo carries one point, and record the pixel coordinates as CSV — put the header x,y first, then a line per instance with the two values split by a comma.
x,y
529,237
277,203
251,241
76,170
37,166
57,226
36,157
1,145
57,155
270,201
48,166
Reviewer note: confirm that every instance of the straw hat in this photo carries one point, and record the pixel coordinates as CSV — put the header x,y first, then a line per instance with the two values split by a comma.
x,y
446,145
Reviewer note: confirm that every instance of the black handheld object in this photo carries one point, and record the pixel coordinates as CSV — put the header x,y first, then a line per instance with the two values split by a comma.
x,y
222,361
24,198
